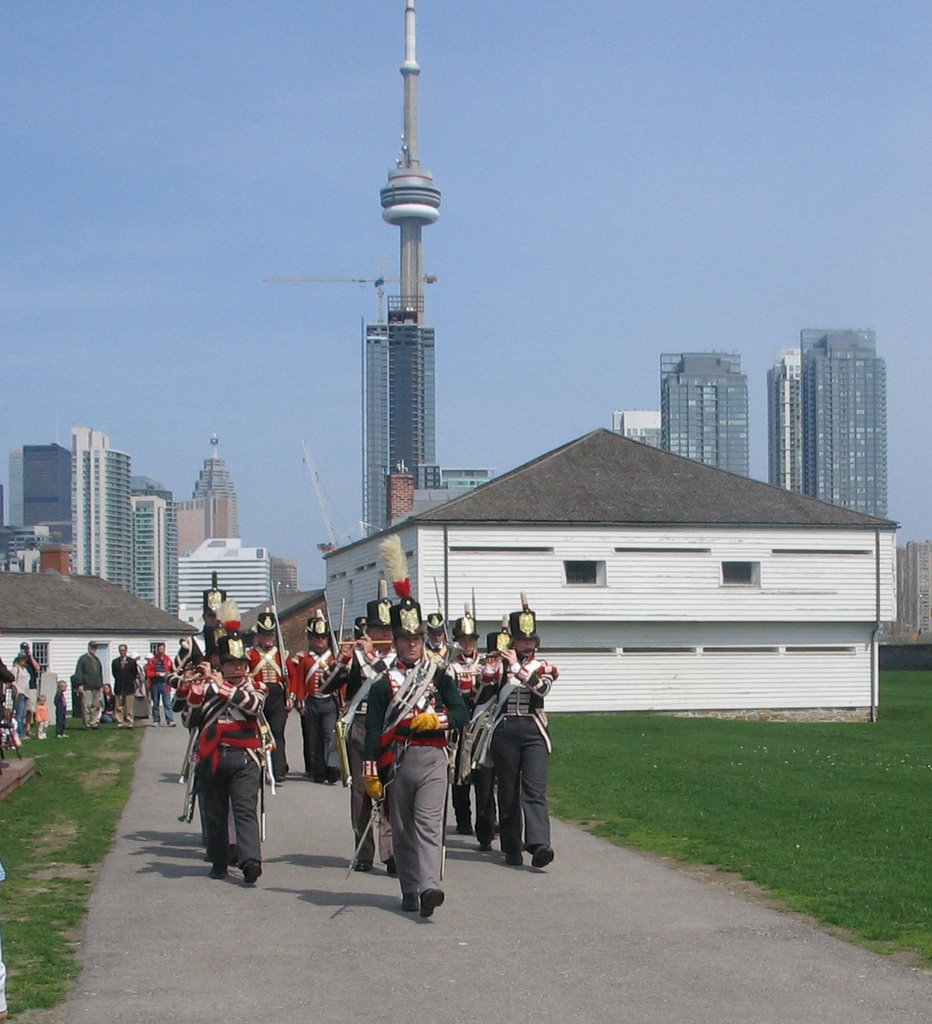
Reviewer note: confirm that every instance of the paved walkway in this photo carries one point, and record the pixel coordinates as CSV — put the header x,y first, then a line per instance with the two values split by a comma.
x,y
602,935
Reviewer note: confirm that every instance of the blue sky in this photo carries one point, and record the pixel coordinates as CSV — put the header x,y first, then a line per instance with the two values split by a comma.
x,y
619,180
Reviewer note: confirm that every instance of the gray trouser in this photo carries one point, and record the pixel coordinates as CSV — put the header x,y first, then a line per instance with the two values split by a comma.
x,y
418,794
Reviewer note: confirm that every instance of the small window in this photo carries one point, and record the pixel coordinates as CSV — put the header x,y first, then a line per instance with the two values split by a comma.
x,y
40,651
584,574
741,574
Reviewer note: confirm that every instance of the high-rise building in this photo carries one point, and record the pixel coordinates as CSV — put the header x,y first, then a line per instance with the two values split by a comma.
x,y
155,543
16,487
639,424
214,481
784,420
284,573
914,587
244,573
212,510
704,408
844,419
40,488
399,419
101,513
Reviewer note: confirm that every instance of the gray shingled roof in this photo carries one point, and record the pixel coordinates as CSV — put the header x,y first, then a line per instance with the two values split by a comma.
x,y
609,479
288,604
48,602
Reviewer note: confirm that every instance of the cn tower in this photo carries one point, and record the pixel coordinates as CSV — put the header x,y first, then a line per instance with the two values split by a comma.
x,y
399,417
410,199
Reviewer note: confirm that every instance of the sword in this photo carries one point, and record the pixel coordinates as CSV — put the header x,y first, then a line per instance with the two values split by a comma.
x,y
374,816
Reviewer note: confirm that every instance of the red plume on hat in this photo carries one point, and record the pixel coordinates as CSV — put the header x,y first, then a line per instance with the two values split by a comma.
x,y
229,616
396,564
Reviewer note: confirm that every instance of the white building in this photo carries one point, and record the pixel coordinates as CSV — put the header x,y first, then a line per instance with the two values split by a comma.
x,y
59,615
660,583
244,573
102,542
639,424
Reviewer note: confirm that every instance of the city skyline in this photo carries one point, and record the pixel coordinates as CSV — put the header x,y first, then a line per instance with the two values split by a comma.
x,y
619,182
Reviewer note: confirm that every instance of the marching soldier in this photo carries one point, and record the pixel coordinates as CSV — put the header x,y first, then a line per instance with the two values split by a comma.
x,y
436,643
411,708
267,666
313,678
520,743
226,707
372,657
465,668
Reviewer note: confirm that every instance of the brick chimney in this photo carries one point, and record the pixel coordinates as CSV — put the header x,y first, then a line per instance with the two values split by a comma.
x,y
400,495
57,557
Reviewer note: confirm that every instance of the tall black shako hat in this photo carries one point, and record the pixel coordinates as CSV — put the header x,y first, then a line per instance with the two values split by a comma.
x,y
436,623
406,618
360,627
524,622
231,643
317,625
213,596
500,640
266,622
379,611
465,626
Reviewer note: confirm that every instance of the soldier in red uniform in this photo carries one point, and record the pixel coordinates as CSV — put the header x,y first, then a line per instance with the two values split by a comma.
x,y
314,676
267,666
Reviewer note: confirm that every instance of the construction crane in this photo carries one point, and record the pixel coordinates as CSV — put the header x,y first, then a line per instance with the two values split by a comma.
x,y
332,543
379,283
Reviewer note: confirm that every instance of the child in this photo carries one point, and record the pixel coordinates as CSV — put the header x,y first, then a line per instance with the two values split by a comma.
x,y
60,710
42,716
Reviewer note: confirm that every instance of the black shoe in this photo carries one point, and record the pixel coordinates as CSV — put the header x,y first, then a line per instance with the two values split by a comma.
x,y
390,868
409,901
514,859
363,865
252,869
217,871
485,847
542,856
332,776
430,898
281,781
464,830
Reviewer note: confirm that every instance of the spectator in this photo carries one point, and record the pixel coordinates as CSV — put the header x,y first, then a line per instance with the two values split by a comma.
x,y
124,670
42,717
32,691
158,669
89,678
61,710
21,707
107,705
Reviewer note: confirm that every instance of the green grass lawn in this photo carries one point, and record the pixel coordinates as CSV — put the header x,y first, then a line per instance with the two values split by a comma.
x,y
54,832
834,819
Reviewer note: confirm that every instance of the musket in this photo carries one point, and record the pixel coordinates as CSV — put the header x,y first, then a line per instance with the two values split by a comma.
x,y
282,653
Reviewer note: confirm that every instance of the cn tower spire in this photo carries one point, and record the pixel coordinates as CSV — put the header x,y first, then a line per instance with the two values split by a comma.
x,y
410,199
